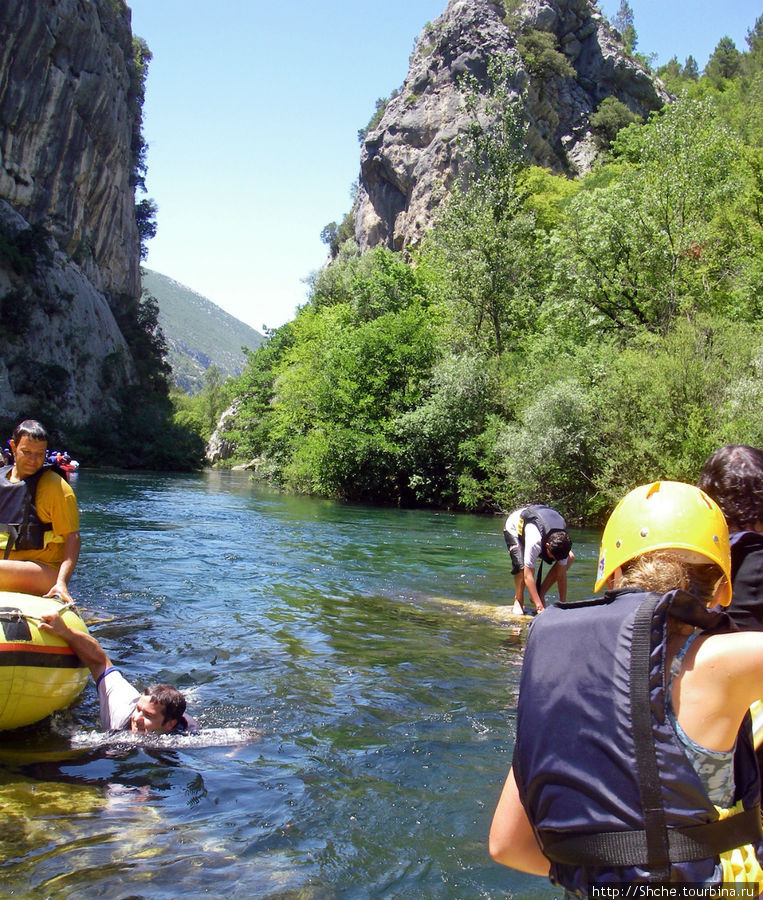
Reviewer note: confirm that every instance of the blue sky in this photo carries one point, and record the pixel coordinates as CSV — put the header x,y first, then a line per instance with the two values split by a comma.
x,y
252,112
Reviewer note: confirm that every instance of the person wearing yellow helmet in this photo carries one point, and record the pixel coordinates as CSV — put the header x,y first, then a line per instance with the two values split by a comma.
x,y
667,515
633,759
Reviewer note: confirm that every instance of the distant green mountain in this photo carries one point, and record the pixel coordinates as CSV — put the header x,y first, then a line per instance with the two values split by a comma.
x,y
199,334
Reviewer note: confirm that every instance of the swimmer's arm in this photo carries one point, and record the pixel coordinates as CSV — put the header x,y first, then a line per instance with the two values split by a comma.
x,y
87,648
512,839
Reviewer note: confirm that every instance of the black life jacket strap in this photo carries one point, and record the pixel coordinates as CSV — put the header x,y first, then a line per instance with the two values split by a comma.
x,y
631,848
655,822
12,532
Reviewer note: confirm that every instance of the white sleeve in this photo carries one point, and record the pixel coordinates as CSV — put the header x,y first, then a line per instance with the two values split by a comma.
x,y
532,545
117,699
512,523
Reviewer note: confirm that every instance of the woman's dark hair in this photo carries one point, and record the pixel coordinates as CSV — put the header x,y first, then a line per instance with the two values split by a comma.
x,y
733,477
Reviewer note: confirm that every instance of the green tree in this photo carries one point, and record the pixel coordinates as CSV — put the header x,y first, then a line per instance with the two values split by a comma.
x,y
691,69
676,76
145,210
725,62
671,72
550,451
250,430
546,196
753,62
338,390
644,248
437,436
664,404
334,235
623,22
480,257
145,217
484,272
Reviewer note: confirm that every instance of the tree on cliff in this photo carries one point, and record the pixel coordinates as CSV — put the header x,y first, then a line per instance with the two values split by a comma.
x,y
725,62
481,251
145,209
623,22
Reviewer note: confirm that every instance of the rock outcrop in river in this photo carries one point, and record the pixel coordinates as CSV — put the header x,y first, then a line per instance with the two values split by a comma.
x,y
414,154
69,243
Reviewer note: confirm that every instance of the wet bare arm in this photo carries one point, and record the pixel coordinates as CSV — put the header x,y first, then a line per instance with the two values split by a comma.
x,y
84,645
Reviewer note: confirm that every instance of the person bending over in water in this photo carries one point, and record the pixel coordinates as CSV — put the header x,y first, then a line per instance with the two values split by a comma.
x,y
633,760
160,709
532,533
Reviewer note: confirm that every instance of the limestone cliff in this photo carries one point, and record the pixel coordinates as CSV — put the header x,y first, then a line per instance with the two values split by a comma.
x,y
60,346
413,156
69,121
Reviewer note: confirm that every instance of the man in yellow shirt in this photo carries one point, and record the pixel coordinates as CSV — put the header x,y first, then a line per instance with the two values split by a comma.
x,y
39,519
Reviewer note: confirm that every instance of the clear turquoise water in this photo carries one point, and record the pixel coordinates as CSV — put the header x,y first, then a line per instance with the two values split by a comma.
x,y
356,693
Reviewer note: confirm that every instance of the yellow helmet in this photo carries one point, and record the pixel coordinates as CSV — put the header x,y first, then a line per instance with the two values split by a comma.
x,y
665,515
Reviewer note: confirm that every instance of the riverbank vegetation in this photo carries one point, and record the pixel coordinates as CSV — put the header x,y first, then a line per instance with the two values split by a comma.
x,y
552,339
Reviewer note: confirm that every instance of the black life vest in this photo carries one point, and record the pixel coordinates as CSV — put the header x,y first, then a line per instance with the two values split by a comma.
x,y
546,520
746,607
605,782
18,512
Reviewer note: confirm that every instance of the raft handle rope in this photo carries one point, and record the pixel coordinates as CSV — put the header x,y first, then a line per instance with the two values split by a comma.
x,y
18,614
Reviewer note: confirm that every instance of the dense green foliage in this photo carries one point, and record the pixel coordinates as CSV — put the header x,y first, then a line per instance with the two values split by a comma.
x,y
552,340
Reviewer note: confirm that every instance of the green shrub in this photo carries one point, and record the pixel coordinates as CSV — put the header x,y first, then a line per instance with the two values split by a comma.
x,y
540,56
610,116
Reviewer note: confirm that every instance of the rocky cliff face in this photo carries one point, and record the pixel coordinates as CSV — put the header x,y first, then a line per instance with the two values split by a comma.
x,y
60,346
68,121
414,155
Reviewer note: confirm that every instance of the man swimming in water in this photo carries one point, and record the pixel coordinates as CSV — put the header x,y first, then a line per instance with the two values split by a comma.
x,y
160,709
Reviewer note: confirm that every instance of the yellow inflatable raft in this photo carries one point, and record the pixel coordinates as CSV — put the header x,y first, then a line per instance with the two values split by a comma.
x,y
39,673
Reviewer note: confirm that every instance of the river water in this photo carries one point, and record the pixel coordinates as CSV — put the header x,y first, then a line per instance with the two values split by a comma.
x,y
356,689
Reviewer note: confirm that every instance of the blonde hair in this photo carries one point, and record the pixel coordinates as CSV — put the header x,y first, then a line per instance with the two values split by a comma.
x,y
666,570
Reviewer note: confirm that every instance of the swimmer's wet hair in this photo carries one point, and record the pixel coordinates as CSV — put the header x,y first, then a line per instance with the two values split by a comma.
x,y
169,698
